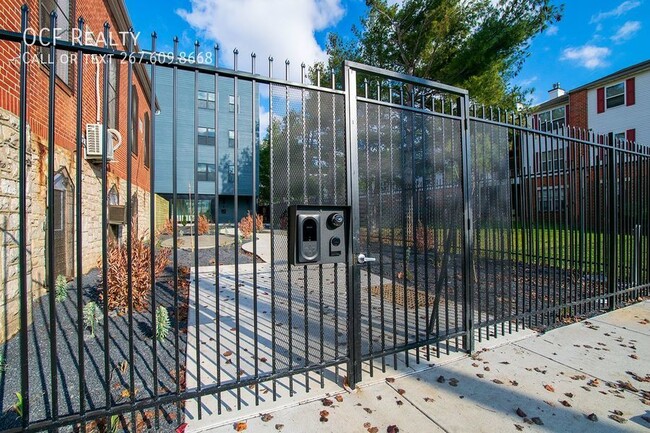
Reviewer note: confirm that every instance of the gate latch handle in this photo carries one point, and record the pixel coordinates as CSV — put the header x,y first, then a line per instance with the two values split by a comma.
x,y
361,259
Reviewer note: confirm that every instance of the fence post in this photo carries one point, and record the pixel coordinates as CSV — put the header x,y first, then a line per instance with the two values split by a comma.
x,y
468,235
354,273
612,209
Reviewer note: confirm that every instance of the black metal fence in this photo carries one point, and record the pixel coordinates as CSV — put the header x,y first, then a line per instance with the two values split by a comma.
x,y
478,223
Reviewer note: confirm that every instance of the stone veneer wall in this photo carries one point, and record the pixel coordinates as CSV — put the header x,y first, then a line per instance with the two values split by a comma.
x,y
37,216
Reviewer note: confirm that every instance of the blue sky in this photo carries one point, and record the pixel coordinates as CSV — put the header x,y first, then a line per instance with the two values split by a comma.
x,y
594,38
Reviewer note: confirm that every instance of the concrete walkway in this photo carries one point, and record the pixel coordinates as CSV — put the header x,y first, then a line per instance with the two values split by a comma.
x,y
590,376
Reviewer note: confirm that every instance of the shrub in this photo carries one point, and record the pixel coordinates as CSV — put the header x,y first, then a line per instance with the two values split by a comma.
x,y
167,228
92,314
162,323
61,287
117,274
18,407
202,226
246,225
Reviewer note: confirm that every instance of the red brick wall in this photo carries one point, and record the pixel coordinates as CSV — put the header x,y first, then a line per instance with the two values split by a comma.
x,y
95,13
578,117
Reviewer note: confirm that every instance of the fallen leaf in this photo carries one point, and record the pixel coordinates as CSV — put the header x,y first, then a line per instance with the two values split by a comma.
x,y
401,391
339,398
497,381
263,359
519,427
366,425
486,368
181,428
367,409
399,402
390,379
537,420
565,403
392,429
634,356
227,353
617,412
373,430
549,388
592,417
480,376
521,413
619,419
327,402
428,399
514,383
569,394
593,382
441,379
267,417
241,426
279,427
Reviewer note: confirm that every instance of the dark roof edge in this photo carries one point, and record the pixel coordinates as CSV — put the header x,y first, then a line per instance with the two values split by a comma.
x,y
564,99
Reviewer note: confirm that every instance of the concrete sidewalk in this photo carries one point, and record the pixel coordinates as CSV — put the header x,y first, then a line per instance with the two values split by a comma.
x,y
590,376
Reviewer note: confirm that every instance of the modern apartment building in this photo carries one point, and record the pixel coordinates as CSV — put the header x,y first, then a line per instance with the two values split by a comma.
x,y
213,134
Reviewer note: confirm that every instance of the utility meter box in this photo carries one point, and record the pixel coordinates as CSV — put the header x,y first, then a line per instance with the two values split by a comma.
x,y
318,234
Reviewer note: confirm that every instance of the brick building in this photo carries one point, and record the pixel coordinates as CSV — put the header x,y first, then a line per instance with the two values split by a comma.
x,y
95,14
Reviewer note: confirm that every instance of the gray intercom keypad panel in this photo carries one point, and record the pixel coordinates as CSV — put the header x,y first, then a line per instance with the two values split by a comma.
x,y
318,234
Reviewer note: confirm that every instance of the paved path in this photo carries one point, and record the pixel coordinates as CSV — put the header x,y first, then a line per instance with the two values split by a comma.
x,y
556,380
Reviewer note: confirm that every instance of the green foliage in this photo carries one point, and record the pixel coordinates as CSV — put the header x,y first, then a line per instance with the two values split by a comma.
x,y
115,420
265,171
479,45
163,324
18,406
92,314
61,287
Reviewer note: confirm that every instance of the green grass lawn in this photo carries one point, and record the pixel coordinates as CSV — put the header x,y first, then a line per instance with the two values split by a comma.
x,y
554,246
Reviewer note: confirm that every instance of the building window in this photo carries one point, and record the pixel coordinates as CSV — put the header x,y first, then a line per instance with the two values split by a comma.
x,y
147,139
231,173
553,119
64,12
206,172
551,199
231,138
113,92
206,100
619,137
206,136
615,95
231,103
552,160
134,120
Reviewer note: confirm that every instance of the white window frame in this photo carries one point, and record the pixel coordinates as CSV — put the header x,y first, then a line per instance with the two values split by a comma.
x,y
551,198
558,157
231,138
552,120
608,98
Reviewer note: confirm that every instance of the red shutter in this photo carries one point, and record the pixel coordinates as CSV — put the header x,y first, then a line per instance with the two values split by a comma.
x,y
630,97
601,99
630,135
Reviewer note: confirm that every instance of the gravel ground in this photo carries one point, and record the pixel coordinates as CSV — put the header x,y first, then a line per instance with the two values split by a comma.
x,y
95,386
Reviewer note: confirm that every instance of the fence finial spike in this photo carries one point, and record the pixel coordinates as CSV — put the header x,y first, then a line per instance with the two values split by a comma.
x,y
24,7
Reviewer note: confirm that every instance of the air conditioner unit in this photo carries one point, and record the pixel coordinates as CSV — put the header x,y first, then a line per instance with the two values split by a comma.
x,y
116,214
95,142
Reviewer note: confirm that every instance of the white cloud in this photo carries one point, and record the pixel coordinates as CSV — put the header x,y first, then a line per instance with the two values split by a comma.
x,y
552,30
264,121
282,28
528,81
626,31
589,56
619,10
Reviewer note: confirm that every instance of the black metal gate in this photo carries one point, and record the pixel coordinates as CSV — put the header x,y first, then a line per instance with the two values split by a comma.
x,y
466,223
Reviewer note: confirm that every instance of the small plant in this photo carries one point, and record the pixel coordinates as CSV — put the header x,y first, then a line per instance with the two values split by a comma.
x,y
167,228
91,313
202,226
61,287
162,323
115,420
184,220
118,274
18,406
246,225
3,365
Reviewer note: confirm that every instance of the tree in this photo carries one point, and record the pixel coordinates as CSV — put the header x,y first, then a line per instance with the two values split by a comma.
x,y
479,45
